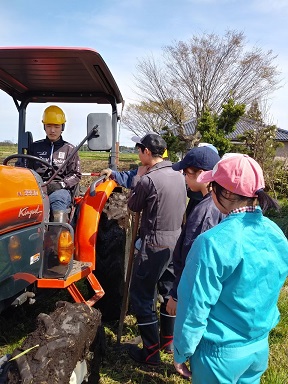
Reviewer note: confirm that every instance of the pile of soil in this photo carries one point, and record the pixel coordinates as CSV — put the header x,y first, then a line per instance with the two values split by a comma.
x,y
70,334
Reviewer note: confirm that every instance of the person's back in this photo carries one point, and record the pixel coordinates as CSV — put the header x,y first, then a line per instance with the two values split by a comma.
x,y
254,275
160,194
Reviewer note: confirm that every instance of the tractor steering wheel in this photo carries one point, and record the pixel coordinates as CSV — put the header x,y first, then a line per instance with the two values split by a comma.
x,y
29,157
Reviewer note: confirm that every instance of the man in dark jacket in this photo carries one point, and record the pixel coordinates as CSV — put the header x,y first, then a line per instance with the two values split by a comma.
x,y
55,151
160,194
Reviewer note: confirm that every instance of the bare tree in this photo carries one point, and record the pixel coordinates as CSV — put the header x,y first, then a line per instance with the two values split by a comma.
x,y
156,87
259,111
205,72
144,117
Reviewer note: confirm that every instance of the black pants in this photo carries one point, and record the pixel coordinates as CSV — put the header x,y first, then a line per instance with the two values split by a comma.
x,y
153,269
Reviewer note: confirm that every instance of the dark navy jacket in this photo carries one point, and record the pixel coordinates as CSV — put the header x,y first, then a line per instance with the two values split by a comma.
x,y
56,153
202,217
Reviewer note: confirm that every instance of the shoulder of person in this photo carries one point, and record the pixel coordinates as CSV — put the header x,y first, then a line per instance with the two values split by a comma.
x,y
67,144
165,163
160,165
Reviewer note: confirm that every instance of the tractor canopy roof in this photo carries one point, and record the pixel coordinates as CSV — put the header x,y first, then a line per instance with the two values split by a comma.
x,y
62,74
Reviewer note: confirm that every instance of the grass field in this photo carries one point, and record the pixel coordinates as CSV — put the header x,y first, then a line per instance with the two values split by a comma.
x,y
6,150
117,366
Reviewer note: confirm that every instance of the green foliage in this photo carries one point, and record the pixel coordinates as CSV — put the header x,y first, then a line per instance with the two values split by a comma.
x,y
229,116
174,144
214,128
207,126
280,179
280,217
260,144
254,112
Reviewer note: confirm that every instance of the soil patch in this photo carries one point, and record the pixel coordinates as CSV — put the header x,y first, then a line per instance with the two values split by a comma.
x,y
64,337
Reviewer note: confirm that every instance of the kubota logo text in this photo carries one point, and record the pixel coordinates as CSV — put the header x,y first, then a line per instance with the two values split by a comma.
x,y
26,211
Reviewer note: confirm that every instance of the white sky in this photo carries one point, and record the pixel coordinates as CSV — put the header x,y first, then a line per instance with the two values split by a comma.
x,y
125,31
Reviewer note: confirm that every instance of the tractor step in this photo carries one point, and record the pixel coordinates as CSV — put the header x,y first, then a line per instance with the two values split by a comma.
x,y
95,285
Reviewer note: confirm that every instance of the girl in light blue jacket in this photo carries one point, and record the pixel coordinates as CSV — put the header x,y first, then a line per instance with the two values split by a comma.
x,y
228,292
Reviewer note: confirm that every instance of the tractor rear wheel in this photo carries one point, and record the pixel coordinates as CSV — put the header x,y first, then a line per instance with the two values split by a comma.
x,y
111,254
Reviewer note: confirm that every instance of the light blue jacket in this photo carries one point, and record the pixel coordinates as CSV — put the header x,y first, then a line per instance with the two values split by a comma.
x,y
124,178
230,285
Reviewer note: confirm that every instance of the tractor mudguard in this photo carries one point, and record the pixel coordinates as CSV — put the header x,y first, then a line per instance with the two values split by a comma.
x,y
90,210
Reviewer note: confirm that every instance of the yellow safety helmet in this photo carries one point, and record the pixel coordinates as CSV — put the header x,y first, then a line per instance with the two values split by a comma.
x,y
54,115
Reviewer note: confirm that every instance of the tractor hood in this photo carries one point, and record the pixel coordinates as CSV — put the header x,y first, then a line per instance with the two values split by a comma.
x,y
21,200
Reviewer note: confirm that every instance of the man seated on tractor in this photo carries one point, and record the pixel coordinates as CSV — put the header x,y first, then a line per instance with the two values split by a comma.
x,y
55,151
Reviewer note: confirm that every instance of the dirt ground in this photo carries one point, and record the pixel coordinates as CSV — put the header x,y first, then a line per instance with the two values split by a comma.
x,y
117,208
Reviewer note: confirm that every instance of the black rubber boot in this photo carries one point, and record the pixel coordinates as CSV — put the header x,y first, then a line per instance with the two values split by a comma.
x,y
135,341
149,354
166,332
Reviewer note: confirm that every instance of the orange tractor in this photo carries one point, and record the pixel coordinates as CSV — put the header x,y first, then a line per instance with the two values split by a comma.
x,y
35,253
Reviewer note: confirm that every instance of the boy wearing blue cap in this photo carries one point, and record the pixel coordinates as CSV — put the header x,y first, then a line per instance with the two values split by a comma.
x,y
203,215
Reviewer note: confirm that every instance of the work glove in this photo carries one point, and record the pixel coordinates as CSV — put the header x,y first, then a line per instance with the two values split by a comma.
x,y
106,172
55,186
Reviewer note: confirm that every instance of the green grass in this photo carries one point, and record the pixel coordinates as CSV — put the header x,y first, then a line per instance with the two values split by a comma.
x,y
91,161
7,150
117,367
103,156
277,372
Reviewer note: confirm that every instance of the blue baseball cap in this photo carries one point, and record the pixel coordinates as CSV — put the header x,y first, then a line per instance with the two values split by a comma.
x,y
198,157
208,145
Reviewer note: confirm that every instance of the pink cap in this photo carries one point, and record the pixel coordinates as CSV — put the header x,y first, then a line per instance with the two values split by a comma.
x,y
237,173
